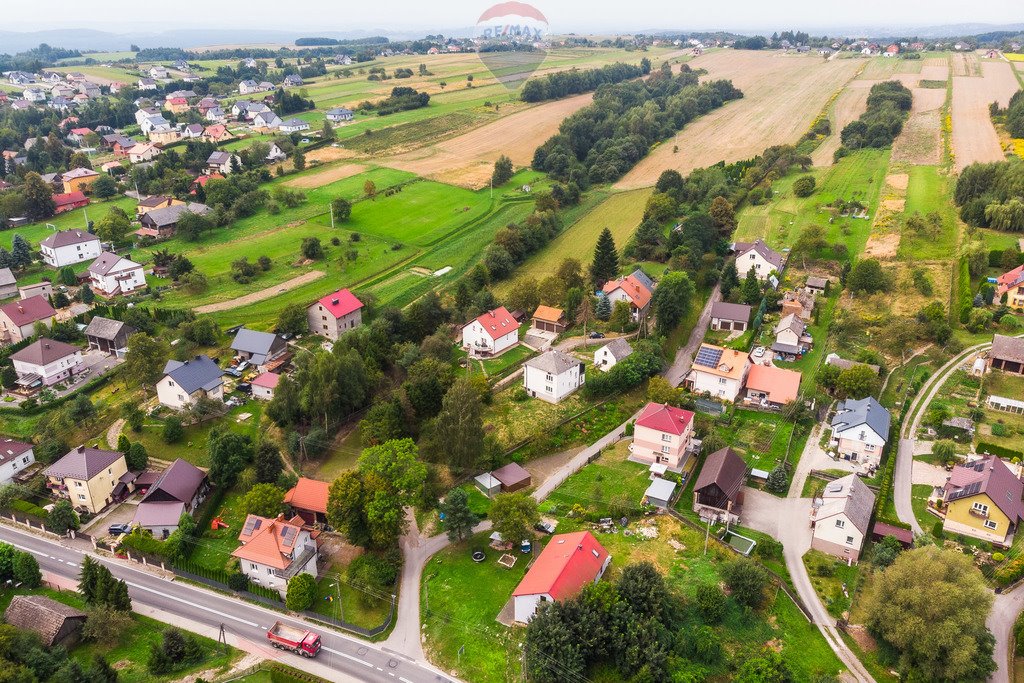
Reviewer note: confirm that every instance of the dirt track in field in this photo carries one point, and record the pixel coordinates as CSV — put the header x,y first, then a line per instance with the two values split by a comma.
x,y
326,176
261,295
782,96
974,136
468,159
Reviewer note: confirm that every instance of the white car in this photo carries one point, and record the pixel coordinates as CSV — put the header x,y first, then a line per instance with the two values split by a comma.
x,y
759,352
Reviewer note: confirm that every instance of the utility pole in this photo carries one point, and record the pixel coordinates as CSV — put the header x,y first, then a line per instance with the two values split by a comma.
x,y
332,215
707,535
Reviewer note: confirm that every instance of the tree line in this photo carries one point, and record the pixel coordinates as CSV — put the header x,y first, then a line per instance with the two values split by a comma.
x,y
992,195
889,105
562,83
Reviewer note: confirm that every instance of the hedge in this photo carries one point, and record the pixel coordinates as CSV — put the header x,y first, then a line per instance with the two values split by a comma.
x,y
1001,451
964,298
28,508
1010,572
88,388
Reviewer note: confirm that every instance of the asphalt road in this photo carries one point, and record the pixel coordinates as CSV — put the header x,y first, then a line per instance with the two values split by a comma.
x,y
342,658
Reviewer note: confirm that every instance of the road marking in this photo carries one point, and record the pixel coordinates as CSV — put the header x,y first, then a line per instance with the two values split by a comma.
x,y
348,656
192,604
72,564
404,679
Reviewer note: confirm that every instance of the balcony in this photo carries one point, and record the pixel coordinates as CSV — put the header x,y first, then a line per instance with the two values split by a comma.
x,y
305,555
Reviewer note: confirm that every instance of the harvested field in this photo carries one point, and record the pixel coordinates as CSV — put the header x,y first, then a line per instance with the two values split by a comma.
x,y
974,136
966,64
848,107
327,154
882,246
468,159
920,142
898,181
326,176
782,95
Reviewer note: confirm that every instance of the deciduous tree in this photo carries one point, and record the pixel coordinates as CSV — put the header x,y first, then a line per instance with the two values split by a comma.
x,y
513,516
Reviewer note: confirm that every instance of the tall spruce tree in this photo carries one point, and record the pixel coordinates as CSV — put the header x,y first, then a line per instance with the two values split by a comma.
x,y
606,258
21,253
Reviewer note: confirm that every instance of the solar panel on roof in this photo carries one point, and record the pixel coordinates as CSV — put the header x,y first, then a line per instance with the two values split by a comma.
x,y
252,525
288,535
708,357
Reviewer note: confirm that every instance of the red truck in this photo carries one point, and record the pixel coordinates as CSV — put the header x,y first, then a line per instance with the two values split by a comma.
x,y
284,637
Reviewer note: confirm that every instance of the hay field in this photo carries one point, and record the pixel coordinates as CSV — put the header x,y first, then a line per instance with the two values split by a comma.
x,y
974,136
468,159
920,142
782,96
850,104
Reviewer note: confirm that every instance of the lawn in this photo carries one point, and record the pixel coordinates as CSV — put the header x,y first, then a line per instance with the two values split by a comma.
x,y
511,358
919,502
130,654
214,548
513,421
193,445
928,192
610,486
69,220
762,439
834,581
368,609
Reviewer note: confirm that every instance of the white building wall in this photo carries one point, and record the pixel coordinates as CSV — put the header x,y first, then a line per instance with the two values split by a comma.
x,y
604,359
51,372
551,390
474,336
752,259
526,606
722,388
848,536
262,393
136,279
70,254
8,470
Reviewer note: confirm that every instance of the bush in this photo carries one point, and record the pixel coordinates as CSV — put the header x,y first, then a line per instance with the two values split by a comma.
x,y
747,581
301,592
1001,451
804,186
173,431
710,601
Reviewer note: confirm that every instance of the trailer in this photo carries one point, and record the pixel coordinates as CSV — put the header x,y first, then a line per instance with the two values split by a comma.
x,y
297,640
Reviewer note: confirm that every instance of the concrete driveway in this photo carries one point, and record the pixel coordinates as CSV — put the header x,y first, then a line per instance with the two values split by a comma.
x,y
98,364
926,473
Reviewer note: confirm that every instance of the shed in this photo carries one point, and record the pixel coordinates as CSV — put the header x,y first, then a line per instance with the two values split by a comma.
x,y
513,477
719,485
487,484
880,530
660,493
55,622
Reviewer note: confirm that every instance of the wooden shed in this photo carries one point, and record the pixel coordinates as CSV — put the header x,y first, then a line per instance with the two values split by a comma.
x,y
55,622
513,477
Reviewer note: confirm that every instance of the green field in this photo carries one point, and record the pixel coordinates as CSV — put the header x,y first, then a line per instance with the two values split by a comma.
x,y
193,445
927,192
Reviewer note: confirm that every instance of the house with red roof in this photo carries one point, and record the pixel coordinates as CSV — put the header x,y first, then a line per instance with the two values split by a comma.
x,y
335,314
662,435
635,289
566,565
772,387
493,332
308,500
69,201
1011,285
263,386
18,318
272,551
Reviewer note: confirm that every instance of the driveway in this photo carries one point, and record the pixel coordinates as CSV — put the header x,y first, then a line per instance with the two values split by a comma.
x,y
98,363
684,357
1000,622
927,473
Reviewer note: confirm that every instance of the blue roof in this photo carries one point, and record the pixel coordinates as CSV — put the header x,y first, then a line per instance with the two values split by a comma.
x,y
866,411
200,372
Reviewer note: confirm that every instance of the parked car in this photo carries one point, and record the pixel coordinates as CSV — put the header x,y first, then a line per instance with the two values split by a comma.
x,y
759,352
596,335
118,529
243,387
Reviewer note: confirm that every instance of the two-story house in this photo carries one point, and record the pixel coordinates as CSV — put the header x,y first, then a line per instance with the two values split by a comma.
x,y
179,490
15,456
184,383
983,500
635,289
275,550
718,491
758,256
18,318
491,333
840,517
68,247
112,275
718,371
87,477
553,375
79,179
46,362
662,434
791,338
258,348
335,314
860,430
1011,285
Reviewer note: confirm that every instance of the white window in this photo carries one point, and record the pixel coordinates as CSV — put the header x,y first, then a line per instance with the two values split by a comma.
x,y
81,496
665,449
980,507
549,389
549,378
78,484
869,447
989,524
721,380
270,571
840,524
849,540
666,437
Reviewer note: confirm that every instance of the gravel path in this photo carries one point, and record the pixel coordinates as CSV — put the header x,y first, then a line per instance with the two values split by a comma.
x,y
262,294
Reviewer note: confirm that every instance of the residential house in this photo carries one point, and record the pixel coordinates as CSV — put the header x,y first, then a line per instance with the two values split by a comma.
x,y
718,491
239,108
20,104
548,319
69,202
155,201
553,375
109,141
800,304
841,518
249,87
339,115
155,124
89,90
249,63
266,120
144,113
108,336
760,257
335,314
606,357
79,179
164,137
264,384
844,364
308,500
221,162
293,80
54,180
566,565
87,477
157,72
34,94
791,338
1007,354
176,105
216,133
274,154
491,333
293,125
43,289
21,78
46,362
15,456
730,317
816,285
216,115
162,222
718,371
206,104
1011,285
8,284
185,383
76,136
860,430
18,318
662,435
258,348
182,65
179,490
192,131
146,84
55,623
512,477
635,289
142,152
275,550
982,499
113,275
772,387
60,103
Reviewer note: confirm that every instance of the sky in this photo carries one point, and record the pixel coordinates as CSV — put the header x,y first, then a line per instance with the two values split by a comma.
x,y
563,15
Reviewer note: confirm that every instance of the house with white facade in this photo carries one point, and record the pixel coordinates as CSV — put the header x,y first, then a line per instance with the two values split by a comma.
x,y
264,385
759,256
491,333
18,319
339,115
611,353
636,290
719,372
68,247
860,430
272,551
15,456
553,375
46,362
111,275
841,518
220,162
568,563
266,119
335,314
184,383
293,125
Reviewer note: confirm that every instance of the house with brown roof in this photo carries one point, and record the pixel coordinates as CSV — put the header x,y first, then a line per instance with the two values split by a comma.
x,y
308,500
718,491
113,275
841,518
180,489
272,551
46,362
983,499
109,336
54,622
18,318
730,317
549,319
772,387
759,257
68,247
87,477
800,304
15,456
1007,354
513,477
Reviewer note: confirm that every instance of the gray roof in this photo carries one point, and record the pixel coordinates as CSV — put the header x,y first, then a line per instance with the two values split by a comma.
x,y
767,253
554,362
866,411
64,238
792,349
793,323
169,215
259,344
817,282
105,328
219,158
619,348
1008,348
7,277
644,280
164,513
340,111
851,496
83,463
44,351
660,489
108,261
723,310
844,364
198,373
295,122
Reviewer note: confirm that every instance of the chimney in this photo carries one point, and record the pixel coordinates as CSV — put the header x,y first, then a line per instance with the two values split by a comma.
x,y
335,302
81,449
46,345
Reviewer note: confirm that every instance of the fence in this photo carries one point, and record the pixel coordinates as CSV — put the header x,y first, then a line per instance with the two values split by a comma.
x,y
279,673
